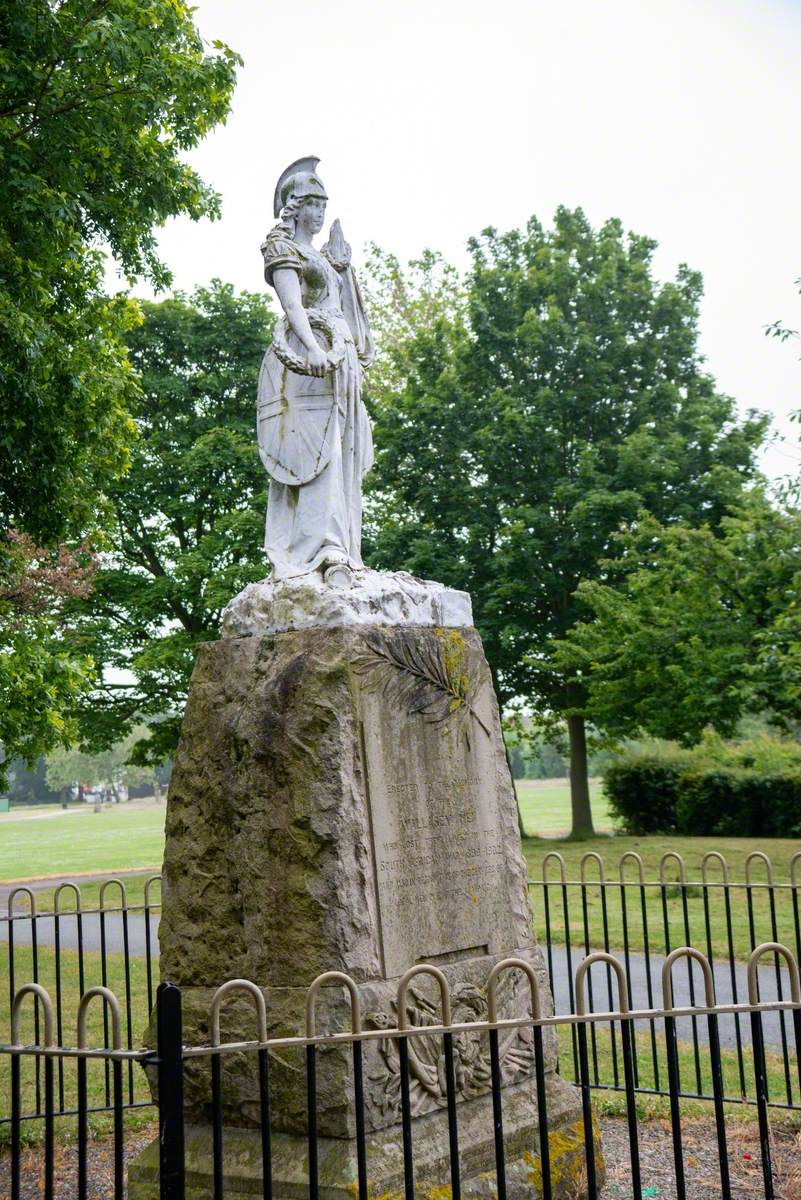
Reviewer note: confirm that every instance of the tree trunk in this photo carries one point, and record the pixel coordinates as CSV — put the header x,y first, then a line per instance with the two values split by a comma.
x,y
579,782
496,688
521,827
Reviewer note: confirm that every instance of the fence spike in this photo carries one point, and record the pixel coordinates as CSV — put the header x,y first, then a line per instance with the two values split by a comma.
x,y
311,1001
592,854
238,985
581,974
762,857
31,900
724,866
677,858
792,967
706,970
33,989
123,893
148,883
557,857
57,894
512,964
635,857
116,1017
444,992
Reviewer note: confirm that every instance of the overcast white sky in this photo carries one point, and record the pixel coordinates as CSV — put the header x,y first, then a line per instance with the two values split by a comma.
x,y
436,118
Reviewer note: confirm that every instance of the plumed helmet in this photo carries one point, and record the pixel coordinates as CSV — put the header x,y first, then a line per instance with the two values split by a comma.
x,y
299,179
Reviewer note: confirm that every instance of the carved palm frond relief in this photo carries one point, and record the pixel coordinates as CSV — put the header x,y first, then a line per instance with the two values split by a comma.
x,y
430,676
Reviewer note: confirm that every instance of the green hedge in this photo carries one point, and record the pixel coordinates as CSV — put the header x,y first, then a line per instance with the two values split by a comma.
x,y
643,793
659,794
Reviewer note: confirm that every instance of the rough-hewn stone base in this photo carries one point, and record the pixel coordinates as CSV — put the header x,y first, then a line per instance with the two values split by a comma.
x,y
341,800
337,1156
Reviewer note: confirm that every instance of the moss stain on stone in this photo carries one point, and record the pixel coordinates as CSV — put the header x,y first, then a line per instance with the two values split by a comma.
x,y
453,648
567,1160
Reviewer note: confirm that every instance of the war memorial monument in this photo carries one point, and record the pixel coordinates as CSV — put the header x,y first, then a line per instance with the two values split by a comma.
x,y
341,800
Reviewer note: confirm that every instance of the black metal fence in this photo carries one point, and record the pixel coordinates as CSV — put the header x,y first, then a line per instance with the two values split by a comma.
x,y
72,949
171,1060
616,907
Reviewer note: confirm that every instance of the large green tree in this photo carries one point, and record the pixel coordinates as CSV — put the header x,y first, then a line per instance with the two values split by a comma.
x,y
98,101
696,629
188,523
563,395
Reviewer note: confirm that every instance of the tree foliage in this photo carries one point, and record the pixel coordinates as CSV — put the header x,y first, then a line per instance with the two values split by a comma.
x,y
697,627
41,672
111,767
98,101
188,519
561,398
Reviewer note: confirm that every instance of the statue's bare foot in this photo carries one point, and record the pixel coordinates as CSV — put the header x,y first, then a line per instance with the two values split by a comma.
x,y
338,575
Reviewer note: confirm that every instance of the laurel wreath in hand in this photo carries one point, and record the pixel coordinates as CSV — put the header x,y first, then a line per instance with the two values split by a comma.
x,y
320,320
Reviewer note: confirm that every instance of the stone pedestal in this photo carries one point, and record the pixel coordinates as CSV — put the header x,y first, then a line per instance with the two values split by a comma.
x,y
341,801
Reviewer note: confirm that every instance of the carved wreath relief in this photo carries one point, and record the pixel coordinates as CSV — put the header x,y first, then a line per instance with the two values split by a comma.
x,y
427,1061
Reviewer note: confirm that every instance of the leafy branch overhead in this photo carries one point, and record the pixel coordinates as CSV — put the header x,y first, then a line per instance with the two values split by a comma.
x,y
99,103
429,676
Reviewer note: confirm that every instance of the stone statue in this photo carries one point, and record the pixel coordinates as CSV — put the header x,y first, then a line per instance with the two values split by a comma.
x,y
341,800
314,433
316,442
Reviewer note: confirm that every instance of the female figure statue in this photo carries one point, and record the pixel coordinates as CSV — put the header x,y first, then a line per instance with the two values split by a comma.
x,y
314,433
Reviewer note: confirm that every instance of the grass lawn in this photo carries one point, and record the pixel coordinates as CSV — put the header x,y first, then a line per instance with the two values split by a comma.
x,y
545,806
81,840
48,841
603,1059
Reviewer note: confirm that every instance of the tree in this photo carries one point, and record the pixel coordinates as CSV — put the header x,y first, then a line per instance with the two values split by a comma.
x,y
98,101
28,785
188,521
565,395
697,629
111,768
41,672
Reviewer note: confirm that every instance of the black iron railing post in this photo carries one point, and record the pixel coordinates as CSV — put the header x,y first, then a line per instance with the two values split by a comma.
x,y
761,1080
171,1092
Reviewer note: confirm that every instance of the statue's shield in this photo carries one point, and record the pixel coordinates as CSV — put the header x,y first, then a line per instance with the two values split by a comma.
x,y
296,422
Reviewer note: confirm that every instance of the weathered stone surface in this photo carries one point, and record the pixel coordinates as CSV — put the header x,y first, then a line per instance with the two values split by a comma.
x,y
305,792
375,598
315,822
341,800
336,1117
384,1154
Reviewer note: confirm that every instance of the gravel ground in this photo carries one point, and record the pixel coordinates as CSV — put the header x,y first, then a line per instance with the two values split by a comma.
x,y
101,1167
701,1164
656,1156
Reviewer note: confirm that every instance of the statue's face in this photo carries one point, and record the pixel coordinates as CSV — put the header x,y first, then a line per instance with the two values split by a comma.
x,y
312,215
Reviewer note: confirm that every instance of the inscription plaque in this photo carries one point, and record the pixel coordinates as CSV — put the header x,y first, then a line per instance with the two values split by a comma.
x,y
439,853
